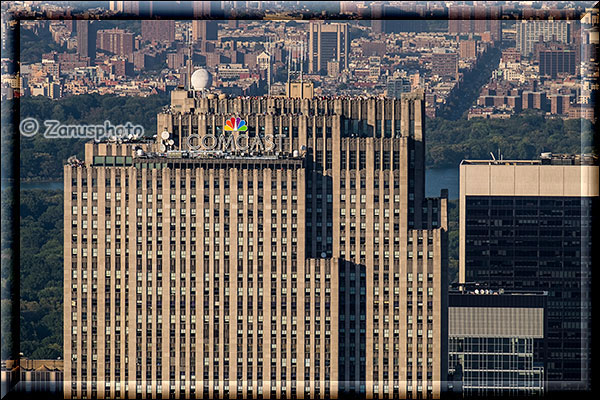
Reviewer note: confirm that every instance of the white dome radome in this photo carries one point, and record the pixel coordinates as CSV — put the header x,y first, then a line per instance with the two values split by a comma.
x,y
201,79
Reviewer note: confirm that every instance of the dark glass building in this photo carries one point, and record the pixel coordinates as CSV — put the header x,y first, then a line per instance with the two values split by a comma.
x,y
526,225
492,334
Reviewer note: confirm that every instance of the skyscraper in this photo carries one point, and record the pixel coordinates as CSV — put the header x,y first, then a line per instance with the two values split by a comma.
x,y
327,42
287,253
204,30
526,225
531,32
86,39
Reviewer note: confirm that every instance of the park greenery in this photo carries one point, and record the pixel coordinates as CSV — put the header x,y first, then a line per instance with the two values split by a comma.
x,y
33,46
522,136
41,255
42,159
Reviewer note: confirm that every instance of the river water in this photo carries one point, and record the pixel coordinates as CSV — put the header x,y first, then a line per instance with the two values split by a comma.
x,y
435,180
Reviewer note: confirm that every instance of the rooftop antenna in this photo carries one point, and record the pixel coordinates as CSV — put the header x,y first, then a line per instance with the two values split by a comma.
x,y
302,69
301,61
189,66
269,51
289,67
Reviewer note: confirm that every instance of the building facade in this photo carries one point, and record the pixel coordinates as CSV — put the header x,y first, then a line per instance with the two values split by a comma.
x,y
476,19
116,41
205,30
526,225
555,62
86,39
531,32
327,42
159,31
445,64
491,338
298,258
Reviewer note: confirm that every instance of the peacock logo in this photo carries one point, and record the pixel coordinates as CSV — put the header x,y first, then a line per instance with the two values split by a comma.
x,y
235,125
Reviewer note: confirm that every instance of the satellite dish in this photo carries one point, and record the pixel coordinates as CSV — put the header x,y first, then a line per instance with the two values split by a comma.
x,y
163,148
171,142
323,255
164,135
201,79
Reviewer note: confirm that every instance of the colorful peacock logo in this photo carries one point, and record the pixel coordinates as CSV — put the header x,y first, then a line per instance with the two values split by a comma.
x,y
235,125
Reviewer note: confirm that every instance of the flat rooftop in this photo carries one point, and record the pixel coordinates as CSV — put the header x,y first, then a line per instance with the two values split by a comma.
x,y
545,159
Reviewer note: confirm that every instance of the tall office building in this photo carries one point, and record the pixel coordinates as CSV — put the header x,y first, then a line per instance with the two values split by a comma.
x,y
158,30
86,39
526,225
205,30
554,60
116,41
531,32
295,258
327,42
491,338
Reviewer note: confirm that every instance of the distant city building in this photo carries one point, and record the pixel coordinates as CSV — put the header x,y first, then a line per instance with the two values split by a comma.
x,y
412,17
531,32
158,30
560,103
205,8
327,42
333,68
86,39
396,86
467,49
526,225
557,61
204,30
300,90
126,7
511,55
175,60
444,64
116,41
492,335
377,18
585,111
232,71
477,19
534,100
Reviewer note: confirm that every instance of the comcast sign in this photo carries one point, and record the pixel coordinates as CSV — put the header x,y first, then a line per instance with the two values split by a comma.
x,y
238,142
